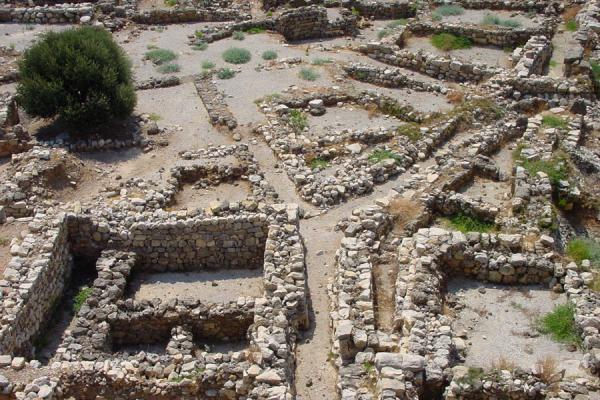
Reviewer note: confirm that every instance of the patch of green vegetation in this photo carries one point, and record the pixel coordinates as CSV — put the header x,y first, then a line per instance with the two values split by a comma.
x,y
160,56
492,19
447,10
556,168
384,33
207,64
298,120
169,68
552,64
379,155
200,45
308,74
170,3
411,130
554,121
225,73
269,55
448,42
238,35
560,325
467,223
321,61
355,12
236,55
474,375
396,23
199,34
583,248
255,30
368,367
318,163
595,70
154,117
571,25
82,295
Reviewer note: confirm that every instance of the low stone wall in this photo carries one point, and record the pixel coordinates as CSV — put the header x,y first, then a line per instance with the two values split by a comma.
x,y
496,36
439,67
389,77
303,23
528,5
214,103
156,83
543,86
533,58
54,14
382,9
188,14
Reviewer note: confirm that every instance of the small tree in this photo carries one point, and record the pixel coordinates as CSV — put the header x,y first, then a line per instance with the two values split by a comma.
x,y
81,75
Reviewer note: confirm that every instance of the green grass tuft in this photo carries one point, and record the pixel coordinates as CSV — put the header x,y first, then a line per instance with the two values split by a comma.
x,y
583,248
556,168
225,73
318,163
396,23
199,34
82,295
446,10
308,74
200,45
298,120
380,155
553,64
466,223
154,117
411,130
491,19
255,31
208,64
269,55
448,41
170,3
554,121
169,68
238,35
571,25
236,55
160,56
321,61
560,325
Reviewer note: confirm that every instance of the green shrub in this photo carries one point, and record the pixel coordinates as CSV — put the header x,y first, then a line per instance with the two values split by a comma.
x,y
238,35
225,73
255,31
318,163
199,34
208,64
82,295
269,55
200,45
466,223
321,61
447,10
298,120
583,248
411,130
491,19
554,121
448,41
379,155
571,25
308,74
560,324
79,74
236,55
160,56
169,68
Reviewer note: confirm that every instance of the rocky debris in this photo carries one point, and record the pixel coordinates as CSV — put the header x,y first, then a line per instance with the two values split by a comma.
x,y
214,102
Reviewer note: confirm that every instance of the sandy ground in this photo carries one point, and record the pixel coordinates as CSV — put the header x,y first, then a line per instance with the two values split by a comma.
x,y
191,198
354,118
22,35
220,286
384,282
560,43
500,323
477,16
491,56
494,193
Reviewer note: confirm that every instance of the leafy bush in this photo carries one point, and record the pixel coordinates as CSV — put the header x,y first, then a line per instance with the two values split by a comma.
x,y
238,35
269,55
308,74
225,73
236,55
466,223
160,56
571,25
208,64
200,45
298,120
492,19
447,10
169,68
583,248
448,41
560,324
321,61
80,74
82,295
554,121
379,155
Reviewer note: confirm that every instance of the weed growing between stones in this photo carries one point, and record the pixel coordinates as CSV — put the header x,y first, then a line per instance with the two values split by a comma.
x,y
160,56
225,73
560,325
492,19
467,223
308,74
571,25
553,121
236,55
448,42
583,248
298,120
318,163
269,55
255,31
380,155
411,130
80,298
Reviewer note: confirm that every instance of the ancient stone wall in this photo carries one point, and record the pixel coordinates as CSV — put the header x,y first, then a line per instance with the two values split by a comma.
x,y
189,14
389,77
382,9
53,14
303,23
533,58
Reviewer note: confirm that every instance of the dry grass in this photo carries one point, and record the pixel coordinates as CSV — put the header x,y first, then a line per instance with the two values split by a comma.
x,y
455,96
502,364
570,13
546,370
372,111
404,211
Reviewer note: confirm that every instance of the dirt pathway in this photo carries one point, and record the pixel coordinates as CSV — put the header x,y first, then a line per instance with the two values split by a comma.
x,y
560,43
